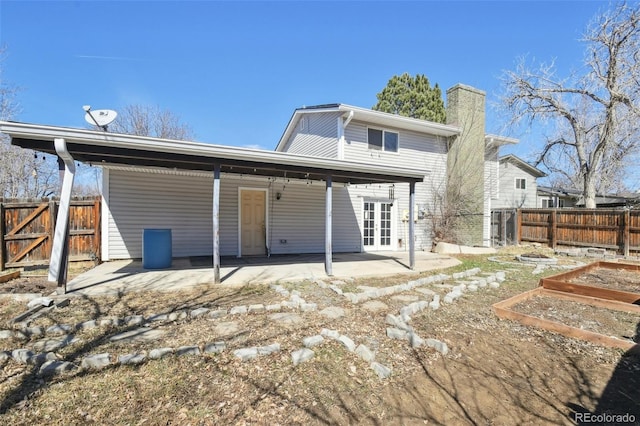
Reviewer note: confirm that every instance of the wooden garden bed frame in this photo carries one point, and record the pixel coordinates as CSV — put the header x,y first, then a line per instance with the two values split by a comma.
x,y
557,287
560,282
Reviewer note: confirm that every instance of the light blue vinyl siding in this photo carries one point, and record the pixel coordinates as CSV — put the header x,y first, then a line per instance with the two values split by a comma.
x,y
315,134
511,197
415,150
139,200
149,200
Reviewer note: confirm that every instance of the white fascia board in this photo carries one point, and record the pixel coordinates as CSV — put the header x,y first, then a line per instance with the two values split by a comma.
x,y
383,119
400,122
171,146
532,170
498,141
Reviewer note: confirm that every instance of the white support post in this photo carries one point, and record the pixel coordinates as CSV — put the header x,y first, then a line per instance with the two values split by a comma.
x,y
105,214
59,251
328,249
412,227
216,223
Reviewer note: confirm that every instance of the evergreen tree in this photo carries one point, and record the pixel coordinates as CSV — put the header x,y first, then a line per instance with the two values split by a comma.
x,y
412,97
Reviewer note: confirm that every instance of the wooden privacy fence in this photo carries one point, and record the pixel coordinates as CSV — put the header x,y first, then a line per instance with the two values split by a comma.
x,y
611,229
27,228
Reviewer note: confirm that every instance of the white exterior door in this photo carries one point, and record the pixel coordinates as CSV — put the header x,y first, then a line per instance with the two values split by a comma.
x,y
378,226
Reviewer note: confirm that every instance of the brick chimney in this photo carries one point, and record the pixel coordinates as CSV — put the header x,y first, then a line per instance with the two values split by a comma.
x,y
465,162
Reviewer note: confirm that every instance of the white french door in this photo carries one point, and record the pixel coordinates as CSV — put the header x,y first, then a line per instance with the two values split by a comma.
x,y
378,226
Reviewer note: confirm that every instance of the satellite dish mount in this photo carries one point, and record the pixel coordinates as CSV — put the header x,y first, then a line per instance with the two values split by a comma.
x,y
99,117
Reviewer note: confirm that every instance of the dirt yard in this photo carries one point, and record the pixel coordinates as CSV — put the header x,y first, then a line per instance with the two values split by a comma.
x,y
35,280
496,372
614,279
28,284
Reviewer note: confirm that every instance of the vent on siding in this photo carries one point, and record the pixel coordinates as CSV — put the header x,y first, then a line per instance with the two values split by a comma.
x,y
303,124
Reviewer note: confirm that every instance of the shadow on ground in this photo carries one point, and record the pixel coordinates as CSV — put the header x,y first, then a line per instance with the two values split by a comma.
x,y
620,399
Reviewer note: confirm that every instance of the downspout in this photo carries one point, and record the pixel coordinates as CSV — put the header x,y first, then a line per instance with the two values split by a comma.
x,y
342,125
487,217
486,223
60,251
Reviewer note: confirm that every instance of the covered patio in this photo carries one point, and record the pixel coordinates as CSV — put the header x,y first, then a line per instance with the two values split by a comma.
x,y
103,148
123,276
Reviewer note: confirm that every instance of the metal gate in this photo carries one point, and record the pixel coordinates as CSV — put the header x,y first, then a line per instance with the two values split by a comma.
x,y
503,227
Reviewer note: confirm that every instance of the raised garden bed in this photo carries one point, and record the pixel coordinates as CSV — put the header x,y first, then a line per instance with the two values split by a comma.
x,y
599,302
605,280
568,322
581,315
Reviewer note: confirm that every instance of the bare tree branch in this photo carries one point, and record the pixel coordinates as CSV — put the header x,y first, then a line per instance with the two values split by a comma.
x,y
143,120
23,173
596,114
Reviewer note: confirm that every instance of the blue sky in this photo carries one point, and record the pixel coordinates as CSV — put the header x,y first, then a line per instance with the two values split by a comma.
x,y
235,71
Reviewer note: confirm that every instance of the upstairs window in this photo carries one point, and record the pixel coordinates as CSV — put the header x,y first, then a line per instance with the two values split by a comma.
x,y
521,183
382,140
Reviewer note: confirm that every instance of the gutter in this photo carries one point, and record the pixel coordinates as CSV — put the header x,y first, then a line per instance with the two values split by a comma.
x,y
205,150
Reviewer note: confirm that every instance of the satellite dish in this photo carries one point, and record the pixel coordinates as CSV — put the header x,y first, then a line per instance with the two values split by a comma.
x,y
100,117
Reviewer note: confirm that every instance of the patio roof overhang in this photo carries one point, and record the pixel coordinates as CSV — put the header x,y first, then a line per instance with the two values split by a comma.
x,y
97,147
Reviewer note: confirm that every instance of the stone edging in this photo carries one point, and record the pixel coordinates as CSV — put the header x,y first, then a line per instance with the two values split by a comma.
x,y
49,363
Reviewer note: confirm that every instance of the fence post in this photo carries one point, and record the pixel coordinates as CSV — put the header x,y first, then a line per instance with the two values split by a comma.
x,y
2,228
518,226
554,228
97,240
52,221
626,238
503,227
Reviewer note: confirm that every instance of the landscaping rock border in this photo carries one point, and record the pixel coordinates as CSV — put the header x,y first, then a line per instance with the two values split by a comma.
x,y
60,335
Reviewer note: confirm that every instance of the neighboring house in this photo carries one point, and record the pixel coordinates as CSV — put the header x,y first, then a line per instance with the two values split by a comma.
x,y
555,197
549,197
612,201
339,181
517,185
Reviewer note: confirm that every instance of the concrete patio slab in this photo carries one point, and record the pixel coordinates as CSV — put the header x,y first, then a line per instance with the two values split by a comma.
x,y
128,275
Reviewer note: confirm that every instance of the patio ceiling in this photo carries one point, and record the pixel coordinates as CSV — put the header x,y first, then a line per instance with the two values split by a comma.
x,y
97,147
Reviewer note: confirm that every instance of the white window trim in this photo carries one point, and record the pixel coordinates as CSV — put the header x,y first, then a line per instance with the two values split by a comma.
x,y
383,130
515,183
394,225
555,202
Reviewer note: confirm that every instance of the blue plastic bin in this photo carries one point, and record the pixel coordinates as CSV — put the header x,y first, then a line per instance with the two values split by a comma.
x,y
156,248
